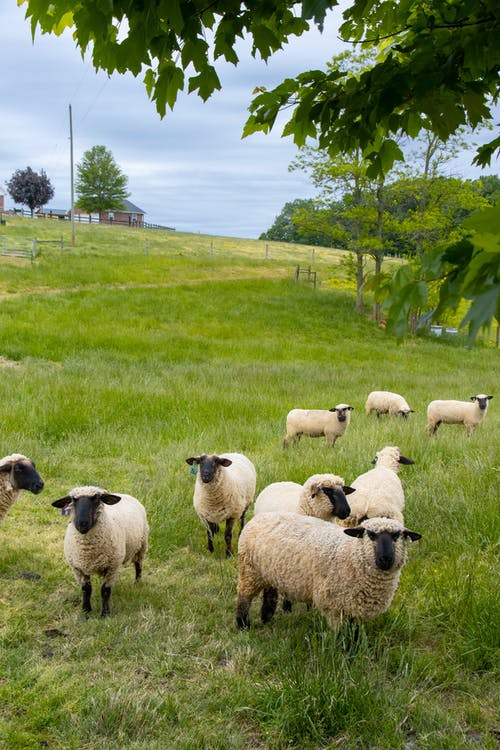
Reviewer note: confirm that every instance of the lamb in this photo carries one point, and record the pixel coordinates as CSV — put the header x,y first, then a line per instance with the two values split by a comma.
x,y
386,402
104,532
457,412
345,573
224,489
379,492
17,472
322,496
332,423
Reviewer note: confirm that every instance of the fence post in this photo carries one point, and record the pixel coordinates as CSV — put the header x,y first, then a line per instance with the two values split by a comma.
x,y
62,243
34,247
297,271
211,247
313,254
267,250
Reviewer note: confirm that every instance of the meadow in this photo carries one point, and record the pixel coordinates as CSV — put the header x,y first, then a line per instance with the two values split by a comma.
x,y
122,356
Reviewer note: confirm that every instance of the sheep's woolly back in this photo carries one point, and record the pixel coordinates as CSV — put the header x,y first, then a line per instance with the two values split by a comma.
x,y
8,494
229,494
279,497
379,492
311,560
307,499
120,535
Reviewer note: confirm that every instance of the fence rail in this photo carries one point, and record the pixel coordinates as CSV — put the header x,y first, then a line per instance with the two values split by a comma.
x,y
18,247
89,219
311,275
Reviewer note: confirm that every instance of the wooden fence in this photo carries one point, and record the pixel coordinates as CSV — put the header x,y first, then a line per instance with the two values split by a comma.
x,y
311,275
25,247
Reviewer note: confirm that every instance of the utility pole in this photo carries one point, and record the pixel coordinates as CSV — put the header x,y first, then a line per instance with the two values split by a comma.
x,y
72,178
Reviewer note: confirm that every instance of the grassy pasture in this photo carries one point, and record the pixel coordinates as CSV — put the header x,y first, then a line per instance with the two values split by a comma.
x,y
132,351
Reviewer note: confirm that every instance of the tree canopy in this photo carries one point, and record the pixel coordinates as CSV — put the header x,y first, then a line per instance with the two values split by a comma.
x,y
437,64
30,188
100,184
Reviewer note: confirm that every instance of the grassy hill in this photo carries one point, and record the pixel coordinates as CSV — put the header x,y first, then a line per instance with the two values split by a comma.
x,y
131,351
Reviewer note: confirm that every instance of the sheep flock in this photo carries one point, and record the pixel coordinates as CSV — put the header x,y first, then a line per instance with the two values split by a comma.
x,y
337,545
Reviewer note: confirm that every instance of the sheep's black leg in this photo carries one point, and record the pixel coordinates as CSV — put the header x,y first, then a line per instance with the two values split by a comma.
x,y
105,597
86,590
269,602
242,521
287,605
212,529
138,570
242,612
228,536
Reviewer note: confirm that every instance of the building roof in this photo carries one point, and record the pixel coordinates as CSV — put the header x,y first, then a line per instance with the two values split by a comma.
x,y
131,208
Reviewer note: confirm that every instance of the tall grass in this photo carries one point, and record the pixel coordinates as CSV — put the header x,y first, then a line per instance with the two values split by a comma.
x,y
120,363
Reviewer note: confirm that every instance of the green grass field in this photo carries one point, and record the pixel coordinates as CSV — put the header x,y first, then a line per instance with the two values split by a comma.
x,y
122,356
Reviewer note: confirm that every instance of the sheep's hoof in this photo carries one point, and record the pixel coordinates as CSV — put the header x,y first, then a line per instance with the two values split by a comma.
x,y
243,622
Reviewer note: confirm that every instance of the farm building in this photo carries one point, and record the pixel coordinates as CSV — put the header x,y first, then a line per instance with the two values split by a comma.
x,y
130,215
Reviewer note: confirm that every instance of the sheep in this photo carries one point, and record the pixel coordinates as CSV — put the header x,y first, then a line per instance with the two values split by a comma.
x,y
104,532
379,492
322,496
332,423
224,489
457,412
386,402
17,472
345,573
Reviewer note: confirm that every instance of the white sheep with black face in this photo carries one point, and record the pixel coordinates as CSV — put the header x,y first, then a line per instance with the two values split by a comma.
x,y
387,402
379,491
457,412
17,473
346,573
104,532
332,423
321,495
224,490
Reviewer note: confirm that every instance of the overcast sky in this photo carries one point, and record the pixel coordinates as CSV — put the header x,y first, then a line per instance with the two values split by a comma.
x,y
191,170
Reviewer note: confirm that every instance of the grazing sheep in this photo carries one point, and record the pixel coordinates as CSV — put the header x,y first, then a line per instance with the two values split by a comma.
x,y
379,492
224,489
345,573
332,423
104,532
17,472
322,496
457,412
385,402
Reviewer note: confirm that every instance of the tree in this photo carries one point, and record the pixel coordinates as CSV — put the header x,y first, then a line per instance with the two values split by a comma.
x,y
29,188
100,184
437,62
285,228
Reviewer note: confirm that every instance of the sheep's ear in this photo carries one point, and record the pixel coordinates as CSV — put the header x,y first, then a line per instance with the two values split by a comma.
x,y
109,499
314,490
62,502
348,490
472,398
334,409
488,397
193,460
350,408
225,462
412,535
5,468
356,531
407,461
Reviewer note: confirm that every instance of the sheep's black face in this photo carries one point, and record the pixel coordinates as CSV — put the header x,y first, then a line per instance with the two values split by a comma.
x,y
341,416
208,468
85,512
25,477
384,548
340,506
